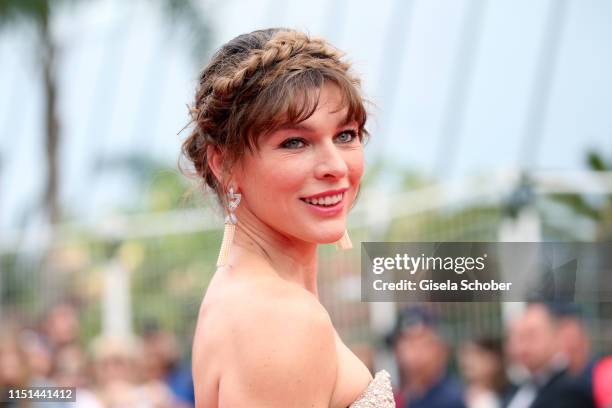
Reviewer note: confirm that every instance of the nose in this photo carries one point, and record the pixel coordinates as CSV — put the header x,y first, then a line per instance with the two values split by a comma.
x,y
330,162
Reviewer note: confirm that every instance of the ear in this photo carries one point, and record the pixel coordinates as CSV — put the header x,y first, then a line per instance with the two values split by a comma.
x,y
215,162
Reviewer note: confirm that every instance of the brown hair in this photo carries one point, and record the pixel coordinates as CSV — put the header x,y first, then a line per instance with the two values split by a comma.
x,y
256,83
494,347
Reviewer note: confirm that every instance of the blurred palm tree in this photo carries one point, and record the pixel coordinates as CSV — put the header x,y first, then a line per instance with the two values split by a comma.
x,y
38,14
599,211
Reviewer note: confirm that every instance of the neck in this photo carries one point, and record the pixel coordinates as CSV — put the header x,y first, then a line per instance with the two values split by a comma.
x,y
579,360
557,363
276,255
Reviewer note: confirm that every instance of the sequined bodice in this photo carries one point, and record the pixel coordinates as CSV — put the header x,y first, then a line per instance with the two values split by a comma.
x,y
379,393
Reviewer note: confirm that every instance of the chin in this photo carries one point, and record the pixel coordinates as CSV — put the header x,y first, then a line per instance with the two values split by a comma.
x,y
330,238
322,233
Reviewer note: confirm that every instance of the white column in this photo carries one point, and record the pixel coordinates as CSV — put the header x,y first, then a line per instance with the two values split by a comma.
x,y
116,308
526,227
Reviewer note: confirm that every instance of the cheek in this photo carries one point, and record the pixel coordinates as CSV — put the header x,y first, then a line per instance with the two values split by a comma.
x,y
265,181
283,175
355,165
356,171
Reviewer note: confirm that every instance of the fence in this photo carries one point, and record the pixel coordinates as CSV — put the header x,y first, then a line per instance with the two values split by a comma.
x,y
130,270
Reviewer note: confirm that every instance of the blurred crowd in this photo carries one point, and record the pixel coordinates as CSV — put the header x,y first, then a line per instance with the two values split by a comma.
x,y
544,361
137,371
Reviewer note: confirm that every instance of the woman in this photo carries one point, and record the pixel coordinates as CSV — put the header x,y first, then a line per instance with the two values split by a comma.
x,y
482,364
278,130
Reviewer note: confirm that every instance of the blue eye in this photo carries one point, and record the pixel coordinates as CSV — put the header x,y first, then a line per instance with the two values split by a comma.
x,y
293,143
347,136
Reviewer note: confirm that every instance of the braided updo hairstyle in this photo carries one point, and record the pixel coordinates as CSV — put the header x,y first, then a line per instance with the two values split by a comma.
x,y
256,83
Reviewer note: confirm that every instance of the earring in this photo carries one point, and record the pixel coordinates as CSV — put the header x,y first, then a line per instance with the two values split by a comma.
x,y
344,242
230,226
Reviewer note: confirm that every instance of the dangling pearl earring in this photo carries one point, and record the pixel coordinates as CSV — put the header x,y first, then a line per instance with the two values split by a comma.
x,y
344,242
230,226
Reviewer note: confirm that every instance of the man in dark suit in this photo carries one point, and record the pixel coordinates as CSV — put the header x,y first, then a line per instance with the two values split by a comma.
x,y
536,342
576,343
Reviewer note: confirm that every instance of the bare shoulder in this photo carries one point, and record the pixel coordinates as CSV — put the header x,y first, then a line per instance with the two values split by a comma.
x,y
285,352
274,344
281,319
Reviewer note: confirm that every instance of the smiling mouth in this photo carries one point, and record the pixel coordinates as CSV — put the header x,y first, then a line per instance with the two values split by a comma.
x,y
328,201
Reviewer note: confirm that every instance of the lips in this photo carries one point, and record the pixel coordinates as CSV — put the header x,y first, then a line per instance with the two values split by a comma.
x,y
326,201
327,204
325,194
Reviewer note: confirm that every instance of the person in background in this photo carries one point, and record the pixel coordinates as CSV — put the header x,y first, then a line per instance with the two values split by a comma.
x,y
482,365
14,370
118,380
422,357
591,375
576,344
163,362
61,325
71,368
602,383
536,344
39,356
113,369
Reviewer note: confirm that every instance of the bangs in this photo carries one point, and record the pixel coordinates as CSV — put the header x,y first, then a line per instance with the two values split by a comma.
x,y
294,98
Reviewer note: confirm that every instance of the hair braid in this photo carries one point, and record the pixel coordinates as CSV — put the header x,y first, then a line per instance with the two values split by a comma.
x,y
281,51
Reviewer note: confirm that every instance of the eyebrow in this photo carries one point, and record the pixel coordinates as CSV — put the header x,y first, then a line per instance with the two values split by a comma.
x,y
310,129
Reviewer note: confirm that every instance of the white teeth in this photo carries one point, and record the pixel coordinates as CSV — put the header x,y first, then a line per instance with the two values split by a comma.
x,y
329,200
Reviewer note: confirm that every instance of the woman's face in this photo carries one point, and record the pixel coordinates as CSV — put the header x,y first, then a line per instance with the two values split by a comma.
x,y
303,179
477,364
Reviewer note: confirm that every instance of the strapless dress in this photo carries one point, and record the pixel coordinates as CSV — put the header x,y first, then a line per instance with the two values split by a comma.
x,y
379,393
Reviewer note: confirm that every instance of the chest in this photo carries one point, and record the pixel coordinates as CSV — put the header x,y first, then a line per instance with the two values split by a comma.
x,y
353,376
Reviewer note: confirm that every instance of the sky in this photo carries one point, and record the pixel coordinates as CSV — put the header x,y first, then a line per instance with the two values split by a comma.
x,y
452,82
